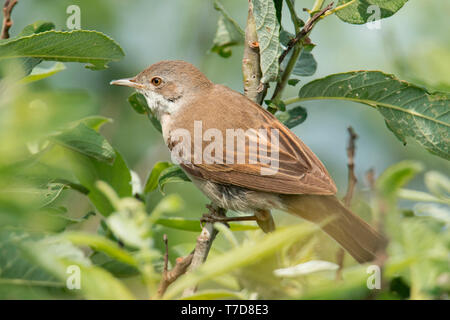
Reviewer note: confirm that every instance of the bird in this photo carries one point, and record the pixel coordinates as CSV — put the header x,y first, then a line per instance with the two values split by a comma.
x,y
240,177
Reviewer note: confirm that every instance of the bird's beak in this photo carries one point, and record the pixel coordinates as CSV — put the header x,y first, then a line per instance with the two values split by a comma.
x,y
131,82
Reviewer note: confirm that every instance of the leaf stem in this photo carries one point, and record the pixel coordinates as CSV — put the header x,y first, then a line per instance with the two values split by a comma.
x,y
317,5
342,6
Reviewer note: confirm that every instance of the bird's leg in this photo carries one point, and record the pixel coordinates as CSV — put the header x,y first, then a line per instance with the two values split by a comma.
x,y
218,215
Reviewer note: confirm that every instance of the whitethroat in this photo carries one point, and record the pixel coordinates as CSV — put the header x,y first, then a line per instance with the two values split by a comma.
x,y
182,97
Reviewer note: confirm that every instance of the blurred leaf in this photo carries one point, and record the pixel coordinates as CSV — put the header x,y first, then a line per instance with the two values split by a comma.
x,y
360,11
95,122
152,181
293,82
409,111
431,210
216,295
36,27
240,256
17,270
41,73
228,33
419,196
115,267
170,175
293,117
438,184
85,141
309,267
39,197
89,170
138,102
102,244
396,176
188,224
306,65
268,31
90,47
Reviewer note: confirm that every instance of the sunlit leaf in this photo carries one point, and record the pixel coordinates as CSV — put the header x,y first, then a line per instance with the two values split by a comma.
x,y
152,180
362,11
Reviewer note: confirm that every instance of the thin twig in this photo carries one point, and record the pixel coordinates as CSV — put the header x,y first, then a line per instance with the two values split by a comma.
x,y
180,268
350,190
7,21
351,166
251,68
304,32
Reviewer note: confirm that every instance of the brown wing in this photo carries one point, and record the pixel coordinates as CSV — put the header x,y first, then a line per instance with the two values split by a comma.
x,y
296,169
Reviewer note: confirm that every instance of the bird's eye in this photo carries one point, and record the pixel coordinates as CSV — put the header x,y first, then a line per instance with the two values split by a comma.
x,y
156,81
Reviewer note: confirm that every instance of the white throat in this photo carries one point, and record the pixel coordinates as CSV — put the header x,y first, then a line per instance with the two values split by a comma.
x,y
160,106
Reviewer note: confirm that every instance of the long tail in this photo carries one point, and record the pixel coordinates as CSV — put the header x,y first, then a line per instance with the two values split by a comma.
x,y
349,230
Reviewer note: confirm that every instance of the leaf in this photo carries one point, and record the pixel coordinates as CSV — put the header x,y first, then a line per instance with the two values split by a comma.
x,y
293,82
306,268
101,244
268,32
89,170
152,180
36,27
363,11
409,111
438,184
228,33
41,73
186,224
90,47
95,122
138,102
306,65
170,175
396,176
293,117
37,196
246,254
86,141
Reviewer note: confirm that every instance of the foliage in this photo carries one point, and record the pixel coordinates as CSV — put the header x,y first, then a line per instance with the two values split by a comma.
x,y
60,175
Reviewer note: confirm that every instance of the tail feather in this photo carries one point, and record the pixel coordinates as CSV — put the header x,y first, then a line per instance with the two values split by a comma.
x,y
350,231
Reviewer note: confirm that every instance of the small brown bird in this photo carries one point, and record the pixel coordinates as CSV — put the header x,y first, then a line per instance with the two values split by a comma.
x,y
185,100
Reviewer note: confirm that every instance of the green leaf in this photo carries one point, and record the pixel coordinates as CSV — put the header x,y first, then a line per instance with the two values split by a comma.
x,y
293,117
268,31
138,102
240,256
409,111
95,122
360,11
187,224
170,175
293,82
438,184
41,73
278,9
397,176
89,170
306,65
86,141
90,47
36,27
152,181
228,33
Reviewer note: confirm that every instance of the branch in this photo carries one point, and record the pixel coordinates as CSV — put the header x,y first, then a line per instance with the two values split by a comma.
x,y
351,166
180,268
204,243
295,44
7,22
304,32
251,68
350,190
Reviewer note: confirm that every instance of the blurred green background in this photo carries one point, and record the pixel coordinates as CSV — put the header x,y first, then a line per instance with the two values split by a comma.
x,y
414,45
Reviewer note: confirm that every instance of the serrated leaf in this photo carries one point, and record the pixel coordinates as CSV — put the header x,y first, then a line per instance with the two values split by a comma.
x,y
170,175
90,47
409,111
268,31
293,117
228,33
361,11
153,178
42,73
86,141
